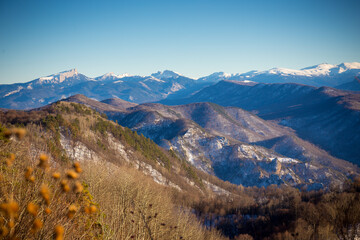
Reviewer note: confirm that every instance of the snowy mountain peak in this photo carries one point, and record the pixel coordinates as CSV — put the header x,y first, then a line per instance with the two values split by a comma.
x,y
317,70
216,76
322,66
166,74
348,66
58,78
221,74
112,76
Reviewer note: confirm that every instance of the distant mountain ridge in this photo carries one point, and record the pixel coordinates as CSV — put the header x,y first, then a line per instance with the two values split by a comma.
x,y
327,117
162,85
318,75
137,89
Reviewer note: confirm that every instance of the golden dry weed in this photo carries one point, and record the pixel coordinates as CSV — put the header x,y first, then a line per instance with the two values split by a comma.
x,y
64,185
10,160
45,193
44,161
37,225
71,174
56,175
10,208
59,232
33,209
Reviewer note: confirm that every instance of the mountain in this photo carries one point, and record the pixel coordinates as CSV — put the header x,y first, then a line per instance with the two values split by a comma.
x,y
161,195
326,117
76,132
163,84
234,145
351,86
136,89
318,75
119,103
166,74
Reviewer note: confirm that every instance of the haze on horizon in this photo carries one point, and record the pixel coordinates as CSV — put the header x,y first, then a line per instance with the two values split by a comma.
x,y
194,38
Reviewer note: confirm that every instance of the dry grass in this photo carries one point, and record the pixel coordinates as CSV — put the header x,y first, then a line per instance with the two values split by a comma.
x,y
44,199
135,207
34,203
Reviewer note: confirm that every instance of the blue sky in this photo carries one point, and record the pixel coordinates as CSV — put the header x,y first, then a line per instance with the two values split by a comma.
x,y
195,38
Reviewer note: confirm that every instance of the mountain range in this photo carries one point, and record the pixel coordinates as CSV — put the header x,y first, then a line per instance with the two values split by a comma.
x,y
327,117
318,75
255,129
163,85
230,143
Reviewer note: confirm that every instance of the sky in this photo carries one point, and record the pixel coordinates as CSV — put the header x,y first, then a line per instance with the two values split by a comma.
x,y
192,37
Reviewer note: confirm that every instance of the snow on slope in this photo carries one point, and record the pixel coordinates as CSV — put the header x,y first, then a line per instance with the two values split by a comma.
x,y
319,75
57,78
15,91
166,74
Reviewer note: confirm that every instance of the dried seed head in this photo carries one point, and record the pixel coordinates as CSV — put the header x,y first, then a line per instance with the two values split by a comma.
x,y
72,211
28,172
77,167
56,175
87,210
4,231
19,132
78,188
47,210
7,133
44,157
59,232
10,208
32,178
44,161
37,225
71,174
45,193
32,208
11,223
78,170
10,160
90,209
93,208
64,185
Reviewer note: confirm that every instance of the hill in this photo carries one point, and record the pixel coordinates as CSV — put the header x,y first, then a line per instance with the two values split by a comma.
x,y
326,117
235,145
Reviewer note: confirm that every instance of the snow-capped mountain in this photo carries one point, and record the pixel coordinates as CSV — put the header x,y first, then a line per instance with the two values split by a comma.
x,y
111,76
138,89
318,75
67,77
163,84
166,74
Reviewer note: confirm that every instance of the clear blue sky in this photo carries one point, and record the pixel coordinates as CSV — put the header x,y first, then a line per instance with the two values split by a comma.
x,y
195,37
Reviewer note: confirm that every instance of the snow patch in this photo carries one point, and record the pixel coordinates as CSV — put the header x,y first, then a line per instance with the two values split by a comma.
x,y
176,87
13,92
